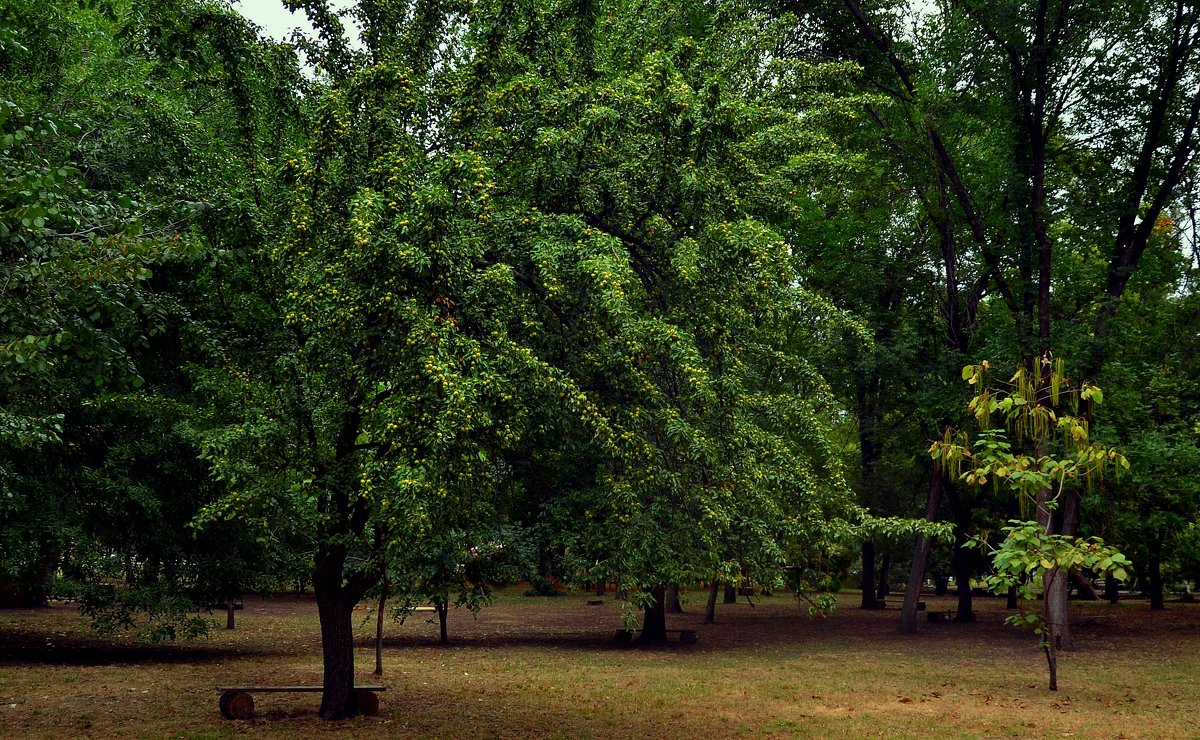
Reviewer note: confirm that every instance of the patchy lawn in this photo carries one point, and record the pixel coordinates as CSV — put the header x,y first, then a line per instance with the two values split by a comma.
x,y
549,667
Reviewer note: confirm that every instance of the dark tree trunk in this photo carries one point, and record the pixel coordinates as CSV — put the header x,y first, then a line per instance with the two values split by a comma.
x,y
884,589
654,621
673,605
1086,590
1155,577
730,594
383,596
337,648
941,585
600,587
962,577
1110,589
867,576
710,609
229,609
443,610
916,575
962,558
1011,601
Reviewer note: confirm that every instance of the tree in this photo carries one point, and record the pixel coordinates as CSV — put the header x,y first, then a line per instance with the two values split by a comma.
x,y
1039,476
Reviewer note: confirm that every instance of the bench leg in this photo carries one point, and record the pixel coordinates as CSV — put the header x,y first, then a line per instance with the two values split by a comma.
x,y
236,705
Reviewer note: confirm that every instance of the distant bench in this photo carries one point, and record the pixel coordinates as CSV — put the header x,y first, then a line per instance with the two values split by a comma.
x,y
237,702
687,637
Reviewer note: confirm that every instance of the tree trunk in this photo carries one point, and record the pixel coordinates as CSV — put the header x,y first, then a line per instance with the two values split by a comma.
x,y
916,575
383,595
229,609
1155,577
1058,589
962,557
673,605
654,622
730,594
1086,590
710,609
337,648
884,589
867,576
1011,601
1110,589
443,610
941,585
600,587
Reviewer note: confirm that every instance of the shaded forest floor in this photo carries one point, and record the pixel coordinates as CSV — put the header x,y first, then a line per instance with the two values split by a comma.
x,y
549,667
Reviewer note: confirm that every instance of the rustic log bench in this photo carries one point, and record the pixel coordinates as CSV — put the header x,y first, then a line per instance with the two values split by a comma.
x,y
687,637
237,702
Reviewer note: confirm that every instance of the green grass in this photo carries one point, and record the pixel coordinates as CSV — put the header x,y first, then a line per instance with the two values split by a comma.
x,y
548,667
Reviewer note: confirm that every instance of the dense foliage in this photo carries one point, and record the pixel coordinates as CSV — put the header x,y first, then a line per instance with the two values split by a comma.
x,y
464,291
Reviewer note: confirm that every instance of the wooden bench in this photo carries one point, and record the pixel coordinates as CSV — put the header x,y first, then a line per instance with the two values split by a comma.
x,y
687,637
237,702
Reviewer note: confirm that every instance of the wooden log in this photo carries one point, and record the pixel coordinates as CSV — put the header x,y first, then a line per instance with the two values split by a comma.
x,y
236,705
367,703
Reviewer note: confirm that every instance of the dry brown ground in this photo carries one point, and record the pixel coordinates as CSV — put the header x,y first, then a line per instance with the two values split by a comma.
x,y
549,667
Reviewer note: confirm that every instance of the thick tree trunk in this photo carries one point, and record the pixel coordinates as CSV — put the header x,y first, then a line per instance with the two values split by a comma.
x,y
884,589
600,587
710,609
673,605
337,648
654,621
730,594
916,575
867,576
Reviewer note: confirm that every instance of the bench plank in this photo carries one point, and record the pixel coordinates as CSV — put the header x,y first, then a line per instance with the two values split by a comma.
x,y
283,689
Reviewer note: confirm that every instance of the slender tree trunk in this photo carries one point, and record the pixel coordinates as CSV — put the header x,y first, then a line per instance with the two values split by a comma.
x,y
443,610
916,575
867,576
710,609
1011,601
962,558
1058,590
1110,589
884,589
229,610
383,597
1155,577
673,605
654,621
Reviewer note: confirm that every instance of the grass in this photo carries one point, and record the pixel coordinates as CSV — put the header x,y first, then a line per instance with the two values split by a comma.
x,y
549,667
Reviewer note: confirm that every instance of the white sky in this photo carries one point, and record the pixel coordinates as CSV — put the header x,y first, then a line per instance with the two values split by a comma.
x,y
275,20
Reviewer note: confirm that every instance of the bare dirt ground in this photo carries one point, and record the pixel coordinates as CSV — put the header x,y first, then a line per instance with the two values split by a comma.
x,y
550,667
